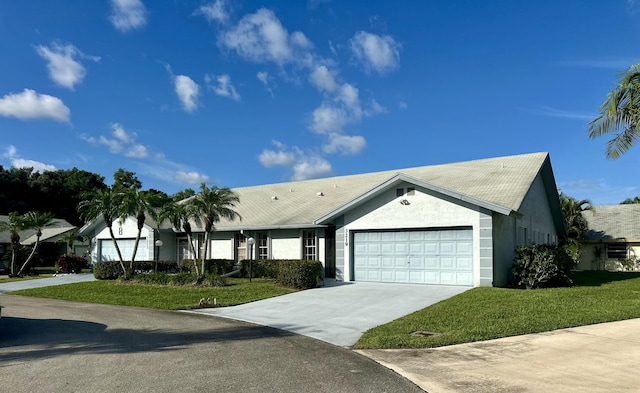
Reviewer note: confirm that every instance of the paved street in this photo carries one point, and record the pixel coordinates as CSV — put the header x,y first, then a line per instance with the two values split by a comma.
x,y
57,346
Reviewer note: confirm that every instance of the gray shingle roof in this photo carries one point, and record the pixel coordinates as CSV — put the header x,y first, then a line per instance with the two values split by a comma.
x,y
57,223
503,181
613,222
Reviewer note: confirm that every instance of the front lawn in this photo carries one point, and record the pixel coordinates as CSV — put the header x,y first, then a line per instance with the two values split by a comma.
x,y
487,313
239,291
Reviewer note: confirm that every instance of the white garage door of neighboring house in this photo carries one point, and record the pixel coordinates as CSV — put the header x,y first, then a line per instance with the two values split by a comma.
x,y
108,250
421,257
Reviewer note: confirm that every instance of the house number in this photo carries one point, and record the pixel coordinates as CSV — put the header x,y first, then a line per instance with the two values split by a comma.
x,y
119,230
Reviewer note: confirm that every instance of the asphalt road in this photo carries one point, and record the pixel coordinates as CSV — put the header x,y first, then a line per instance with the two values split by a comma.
x,y
58,346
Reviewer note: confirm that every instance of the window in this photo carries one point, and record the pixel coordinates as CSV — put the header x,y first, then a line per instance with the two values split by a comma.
x,y
616,250
411,191
241,247
399,191
262,242
309,245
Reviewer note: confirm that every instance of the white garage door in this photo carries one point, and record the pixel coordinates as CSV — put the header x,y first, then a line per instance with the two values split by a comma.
x,y
421,257
108,250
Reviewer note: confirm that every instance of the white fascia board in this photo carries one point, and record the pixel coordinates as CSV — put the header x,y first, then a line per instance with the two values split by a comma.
x,y
264,228
400,177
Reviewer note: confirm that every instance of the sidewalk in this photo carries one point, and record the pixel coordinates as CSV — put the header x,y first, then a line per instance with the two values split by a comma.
x,y
46,282
595,358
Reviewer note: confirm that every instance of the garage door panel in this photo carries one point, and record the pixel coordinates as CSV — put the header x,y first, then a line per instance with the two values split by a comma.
x,y
108,250
429,256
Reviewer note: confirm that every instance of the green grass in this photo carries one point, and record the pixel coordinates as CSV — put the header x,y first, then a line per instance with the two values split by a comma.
x,y
238,291
487,313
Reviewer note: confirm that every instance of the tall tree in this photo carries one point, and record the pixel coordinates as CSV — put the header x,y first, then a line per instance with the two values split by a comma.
x,y
138,203
574,220
35,220
14,225
180,214
106,203
620,114
211,205
125,180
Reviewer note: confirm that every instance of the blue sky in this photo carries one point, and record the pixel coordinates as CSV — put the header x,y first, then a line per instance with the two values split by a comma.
x,y
239,93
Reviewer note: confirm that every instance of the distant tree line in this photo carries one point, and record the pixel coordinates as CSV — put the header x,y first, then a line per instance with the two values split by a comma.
x,y
59,192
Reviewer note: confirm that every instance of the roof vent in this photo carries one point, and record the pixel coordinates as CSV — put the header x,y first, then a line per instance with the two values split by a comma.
x,y
320,194
290,189
335,186
274,198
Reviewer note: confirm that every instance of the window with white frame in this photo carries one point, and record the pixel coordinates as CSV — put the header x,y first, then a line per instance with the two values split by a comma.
x,y
309,245
262,242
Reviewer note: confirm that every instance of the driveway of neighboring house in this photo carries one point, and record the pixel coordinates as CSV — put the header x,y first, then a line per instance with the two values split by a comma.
x,y
59,346
46,282
338,313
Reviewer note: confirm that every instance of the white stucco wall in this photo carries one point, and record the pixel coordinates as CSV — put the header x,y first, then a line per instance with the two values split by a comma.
x,y
126,230
425,210
222,245
286,244
589,260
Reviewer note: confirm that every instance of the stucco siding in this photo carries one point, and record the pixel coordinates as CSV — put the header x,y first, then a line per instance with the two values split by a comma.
x,y
286,244
590,259
222,245
504,245
424,209
536,217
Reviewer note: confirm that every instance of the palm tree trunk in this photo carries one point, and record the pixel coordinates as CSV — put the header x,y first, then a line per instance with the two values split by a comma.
x,y
14,252
195,255
24,265
205,249
115,243
135,249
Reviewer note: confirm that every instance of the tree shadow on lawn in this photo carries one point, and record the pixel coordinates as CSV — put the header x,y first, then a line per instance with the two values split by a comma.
x,y
24,339
597,278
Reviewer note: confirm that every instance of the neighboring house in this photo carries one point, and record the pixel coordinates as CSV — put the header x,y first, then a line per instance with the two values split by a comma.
x,y
50,234
453,224
613,235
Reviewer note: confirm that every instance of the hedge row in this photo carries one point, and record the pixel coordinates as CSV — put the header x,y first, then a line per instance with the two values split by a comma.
x,y
211,266
301,274
111,270
180,279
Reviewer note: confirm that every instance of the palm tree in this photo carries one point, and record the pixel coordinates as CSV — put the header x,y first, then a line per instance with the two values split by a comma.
x,y
14,225
574,220
35,220
620,114
211,205
69,238
137,203
106,203
179,214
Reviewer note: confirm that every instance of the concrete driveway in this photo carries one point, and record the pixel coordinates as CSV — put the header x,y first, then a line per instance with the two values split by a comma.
x,y
58,346
338,313
46,282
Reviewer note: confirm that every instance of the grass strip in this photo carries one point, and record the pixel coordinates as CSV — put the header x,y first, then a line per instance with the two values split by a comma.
x,y
238,291
487,313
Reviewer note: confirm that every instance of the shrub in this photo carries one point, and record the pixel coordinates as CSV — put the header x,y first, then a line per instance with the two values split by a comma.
x,y
152,279
300,274
542,265
71,264
182,279
214,280
211,266
111,270
265,268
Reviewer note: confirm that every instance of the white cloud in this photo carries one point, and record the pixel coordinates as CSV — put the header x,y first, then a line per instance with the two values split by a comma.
x,y
375,109
403,105
32,105
376,53
323,79
190,177
17,162
260,37
224,87
564,114
215,11
349,96
266,81
327,119
187,91
270,158
344,144
311,167
128,15
122,142
63,67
